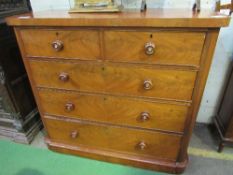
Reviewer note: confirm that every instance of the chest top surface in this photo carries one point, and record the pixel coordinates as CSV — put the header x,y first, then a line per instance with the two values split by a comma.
x,y
127,18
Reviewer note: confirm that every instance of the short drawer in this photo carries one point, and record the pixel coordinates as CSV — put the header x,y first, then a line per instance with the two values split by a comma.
x,y
76,44
114,78
114,110
170,48
120,139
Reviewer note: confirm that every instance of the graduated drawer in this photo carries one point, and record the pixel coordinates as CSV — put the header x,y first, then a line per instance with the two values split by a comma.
x,y
120,139
161,47
114,110
114,78
78,44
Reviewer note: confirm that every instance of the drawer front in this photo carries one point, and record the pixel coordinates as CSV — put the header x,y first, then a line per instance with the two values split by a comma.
x,y
117,79
172,48
114,110
77,44
132,141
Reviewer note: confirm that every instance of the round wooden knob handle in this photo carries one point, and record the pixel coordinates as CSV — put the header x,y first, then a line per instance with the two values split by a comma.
x,y
57,45
74,134
147,84
149,48
69,107
141,145
144,116
64,77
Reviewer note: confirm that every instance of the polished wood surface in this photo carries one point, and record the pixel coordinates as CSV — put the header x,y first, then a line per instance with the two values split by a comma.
x,y
163,165
82,44
128,18
139,86
144,143
109,109
171,48
117,79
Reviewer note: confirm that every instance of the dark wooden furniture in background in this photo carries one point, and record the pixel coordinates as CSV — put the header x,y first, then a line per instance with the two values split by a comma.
x,y
13,7
123,87
228,6
224,118
19,117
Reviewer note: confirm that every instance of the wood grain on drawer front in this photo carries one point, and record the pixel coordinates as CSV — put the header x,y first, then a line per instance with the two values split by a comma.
x,y
114,78
115,110
80,44
178,48
122,139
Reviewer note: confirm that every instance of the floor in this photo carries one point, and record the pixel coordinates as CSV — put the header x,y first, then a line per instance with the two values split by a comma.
x,y
203,156
204,159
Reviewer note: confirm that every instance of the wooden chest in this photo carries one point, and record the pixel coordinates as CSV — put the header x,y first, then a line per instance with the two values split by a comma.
x,y
121,87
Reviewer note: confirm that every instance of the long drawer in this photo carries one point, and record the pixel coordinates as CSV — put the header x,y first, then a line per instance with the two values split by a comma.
x,y
120,139
114,78
114,110
80,44
161,47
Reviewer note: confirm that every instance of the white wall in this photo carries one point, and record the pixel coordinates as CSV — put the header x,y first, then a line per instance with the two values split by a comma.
x,y
221,60
64,4
218,75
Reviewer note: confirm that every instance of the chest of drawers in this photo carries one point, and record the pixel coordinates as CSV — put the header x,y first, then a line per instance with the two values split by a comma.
x,y
122,87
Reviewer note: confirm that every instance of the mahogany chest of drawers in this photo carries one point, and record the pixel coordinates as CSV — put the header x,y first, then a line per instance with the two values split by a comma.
x,y
121,87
